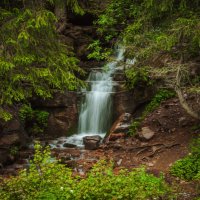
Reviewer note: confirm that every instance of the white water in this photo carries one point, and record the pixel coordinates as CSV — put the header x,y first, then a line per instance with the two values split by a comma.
x,y
96,108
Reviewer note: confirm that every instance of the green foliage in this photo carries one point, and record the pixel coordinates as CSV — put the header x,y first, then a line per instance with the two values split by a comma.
x,y
6,116
137,76
104,184
188,168
33,61
134,126
72,5
25,113
195,127
43,180
148,27
160,96
116,15
167,26
35,120
47,179
14,150
98,52
75,7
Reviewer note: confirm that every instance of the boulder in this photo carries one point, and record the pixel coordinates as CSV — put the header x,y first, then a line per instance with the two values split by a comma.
x,y
129,101
92,142
146,134
61,120
63,112
122,124
68,145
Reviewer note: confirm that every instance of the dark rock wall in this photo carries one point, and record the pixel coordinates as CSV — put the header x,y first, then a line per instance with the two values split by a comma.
x,y
126,101
63,113
12,137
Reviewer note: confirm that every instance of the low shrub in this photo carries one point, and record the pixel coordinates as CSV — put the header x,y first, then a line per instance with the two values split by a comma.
x,y
47,179
188,168
35,121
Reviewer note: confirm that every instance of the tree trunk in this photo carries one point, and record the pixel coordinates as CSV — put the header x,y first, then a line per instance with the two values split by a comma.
x,y
182,100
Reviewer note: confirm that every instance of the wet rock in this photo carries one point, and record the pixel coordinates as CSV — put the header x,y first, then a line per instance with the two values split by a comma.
x,y
92,142
61,120
68,145
122,124
146,134
68,151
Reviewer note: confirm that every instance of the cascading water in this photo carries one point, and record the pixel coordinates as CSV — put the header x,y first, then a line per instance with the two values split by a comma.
x,y
96,108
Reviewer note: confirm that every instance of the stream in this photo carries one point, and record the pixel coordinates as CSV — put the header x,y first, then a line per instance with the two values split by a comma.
x,y
95,116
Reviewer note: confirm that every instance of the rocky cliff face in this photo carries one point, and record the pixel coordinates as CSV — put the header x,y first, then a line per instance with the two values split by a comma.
x,y
63,113
126,101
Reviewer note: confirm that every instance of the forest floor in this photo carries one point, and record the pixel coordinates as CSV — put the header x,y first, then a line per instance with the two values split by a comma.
x,y
172,133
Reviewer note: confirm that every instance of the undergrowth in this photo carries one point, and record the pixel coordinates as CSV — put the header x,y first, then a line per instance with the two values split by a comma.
x,y
35,121
49,180
188,168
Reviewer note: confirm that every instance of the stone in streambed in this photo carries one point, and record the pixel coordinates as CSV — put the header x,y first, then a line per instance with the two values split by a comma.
x,y
92,142
68,145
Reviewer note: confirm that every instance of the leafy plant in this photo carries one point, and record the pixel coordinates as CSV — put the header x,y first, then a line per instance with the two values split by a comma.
x,y
188,168
14,150
25,113
33,61
137,76
98,52
48,179
43,180
34,120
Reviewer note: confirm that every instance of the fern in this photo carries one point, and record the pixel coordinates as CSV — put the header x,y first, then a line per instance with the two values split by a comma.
x,y
33,60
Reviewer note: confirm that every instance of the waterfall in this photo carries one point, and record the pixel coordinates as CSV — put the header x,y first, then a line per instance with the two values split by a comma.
x,y
96,107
